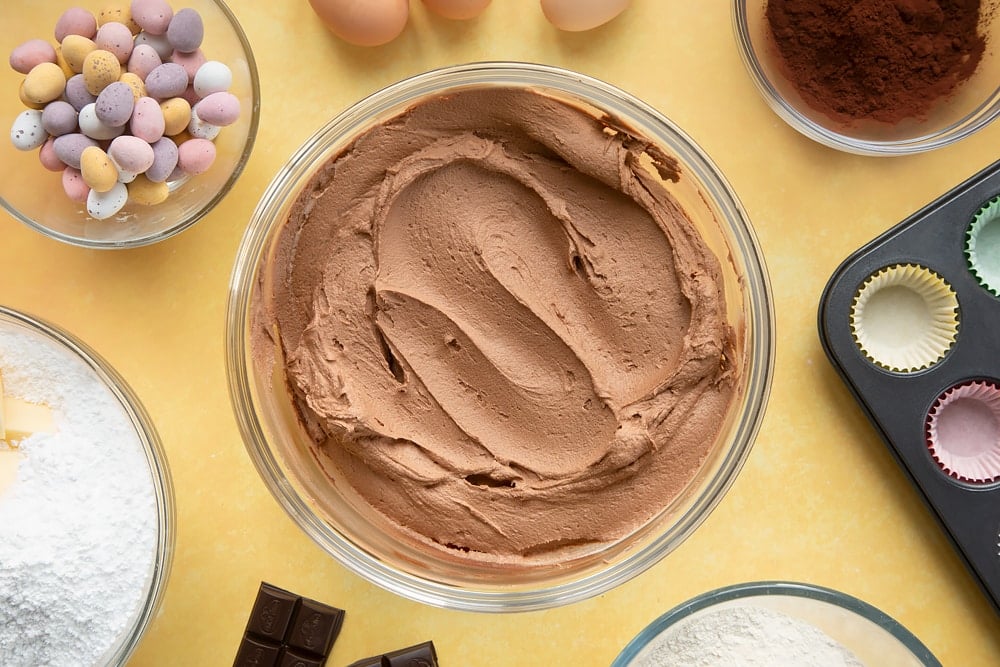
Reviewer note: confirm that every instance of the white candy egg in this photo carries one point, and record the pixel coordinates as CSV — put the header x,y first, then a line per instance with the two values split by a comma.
x,y
27,133
103,205
212,77
578,15
92,126
200,129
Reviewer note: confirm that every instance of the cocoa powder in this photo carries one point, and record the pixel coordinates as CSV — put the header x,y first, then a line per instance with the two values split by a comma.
x,y
885,60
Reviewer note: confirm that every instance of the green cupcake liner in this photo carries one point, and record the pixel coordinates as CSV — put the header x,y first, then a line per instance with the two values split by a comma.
x,y
982,246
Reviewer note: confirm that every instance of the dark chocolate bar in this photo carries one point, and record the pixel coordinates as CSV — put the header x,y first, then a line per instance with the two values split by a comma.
x,y
288,630
419,655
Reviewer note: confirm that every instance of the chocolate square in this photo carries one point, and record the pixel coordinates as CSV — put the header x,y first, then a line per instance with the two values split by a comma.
x,y
272,612
315,626
291,658
256,653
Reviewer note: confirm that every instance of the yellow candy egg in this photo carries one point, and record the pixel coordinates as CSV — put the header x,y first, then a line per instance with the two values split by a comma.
x,y
134,81
118,14
98,170
25,101
61,61
146,192
176,115
100,68
44,83
75,49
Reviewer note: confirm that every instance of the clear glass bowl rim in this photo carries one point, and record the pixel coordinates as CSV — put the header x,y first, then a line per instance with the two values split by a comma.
x,y
155,456
285,184
190,220
977,119
771,588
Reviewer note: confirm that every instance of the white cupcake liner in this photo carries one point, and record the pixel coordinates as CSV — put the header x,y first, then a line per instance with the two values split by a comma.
x,y
905,318
982,246
966,444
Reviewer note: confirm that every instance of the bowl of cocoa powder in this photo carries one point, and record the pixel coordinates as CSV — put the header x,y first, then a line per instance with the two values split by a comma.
x,y
875,77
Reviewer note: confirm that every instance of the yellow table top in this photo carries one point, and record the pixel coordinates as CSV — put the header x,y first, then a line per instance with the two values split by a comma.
x,y
820,499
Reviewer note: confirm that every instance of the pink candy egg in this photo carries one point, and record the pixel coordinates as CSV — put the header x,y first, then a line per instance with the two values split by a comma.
x,y
25,56
131,154
147,120
144,59
153,16
74,185
219,109
191,62
195,156
116,38
47,156
76,21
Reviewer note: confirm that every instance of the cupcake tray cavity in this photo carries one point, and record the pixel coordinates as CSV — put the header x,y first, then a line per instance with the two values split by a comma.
x,y
898,403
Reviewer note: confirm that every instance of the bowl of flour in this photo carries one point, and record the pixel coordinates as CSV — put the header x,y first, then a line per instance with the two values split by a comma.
x,y
763,624
86,504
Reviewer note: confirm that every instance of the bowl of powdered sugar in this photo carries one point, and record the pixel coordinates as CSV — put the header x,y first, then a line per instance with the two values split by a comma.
x,y
764,624
86,507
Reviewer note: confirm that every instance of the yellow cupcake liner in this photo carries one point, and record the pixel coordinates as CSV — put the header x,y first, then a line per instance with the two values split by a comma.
x,y
982,246
904,318
963,432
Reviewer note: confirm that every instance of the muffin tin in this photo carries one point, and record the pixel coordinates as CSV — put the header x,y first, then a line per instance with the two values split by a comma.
x,y
939,411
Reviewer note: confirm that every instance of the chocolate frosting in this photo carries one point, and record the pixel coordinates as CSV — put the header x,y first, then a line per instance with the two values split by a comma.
x,y
498,326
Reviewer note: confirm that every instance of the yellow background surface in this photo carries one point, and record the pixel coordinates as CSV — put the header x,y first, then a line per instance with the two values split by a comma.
x,y
820,499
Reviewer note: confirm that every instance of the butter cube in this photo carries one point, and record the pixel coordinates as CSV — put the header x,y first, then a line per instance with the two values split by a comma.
x,y
19,419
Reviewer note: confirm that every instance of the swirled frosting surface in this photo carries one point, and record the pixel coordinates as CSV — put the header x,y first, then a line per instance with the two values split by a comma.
x,y
498,326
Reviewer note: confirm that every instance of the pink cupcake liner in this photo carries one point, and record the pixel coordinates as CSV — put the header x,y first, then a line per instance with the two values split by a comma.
x,y
963,432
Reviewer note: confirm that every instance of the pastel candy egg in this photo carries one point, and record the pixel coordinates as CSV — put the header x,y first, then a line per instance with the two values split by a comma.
x,y
167,80
191,62
126,176
47,156
63,65
70,147
135,84
94,127
103,205
164,160
74,186
147,120
75,49
118,14
200,129
76,92
146,192
219,109
25,101
25,56
98,170
153,16
144,59
44,83
100,68
212,77
159,44
131,154
59,118
75,21
190,95
186,30
27,133
116,38
195,156
176,115
114,104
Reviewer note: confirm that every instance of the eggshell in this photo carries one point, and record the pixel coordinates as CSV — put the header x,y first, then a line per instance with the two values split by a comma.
x,y
69,148
100,68
59,118
176,115
164,160
200,129
369,23
147,121
74,186
579,15
191,62
116,38
167,80
457,9
153,16
44,83
159,44
94,127
76,92
212,77
131,154
195,156
47,156
75,21
220,109
75,49
134,83
28,54
103,205
186,30
146,192
27,133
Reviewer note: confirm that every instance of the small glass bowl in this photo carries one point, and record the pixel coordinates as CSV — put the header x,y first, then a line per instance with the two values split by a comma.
x,y
874,637
973,106
134,628
35,196
279,447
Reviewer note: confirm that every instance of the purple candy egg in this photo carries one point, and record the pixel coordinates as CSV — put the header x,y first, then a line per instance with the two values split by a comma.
x,y
76,92
59,118
69,148
114,104
186,30
164,160
167,80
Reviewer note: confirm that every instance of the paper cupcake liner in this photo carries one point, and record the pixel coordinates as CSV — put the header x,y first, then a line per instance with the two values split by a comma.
x,y
963,432
982,246
904,318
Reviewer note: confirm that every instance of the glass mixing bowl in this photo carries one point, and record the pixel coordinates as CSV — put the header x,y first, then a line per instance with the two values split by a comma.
x,y
134,627
973,106
279,447
34,195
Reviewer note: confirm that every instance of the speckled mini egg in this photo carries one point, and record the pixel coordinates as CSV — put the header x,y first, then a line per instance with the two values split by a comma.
x,y
27,133
191,62
164,160
76,21
220,109
118,13
153,16
94,127
99,172
28,54
74,186
135,84
212,77
47,156
158,43
131,154
116,38
199,129
186,30
100,68
114,104
59,118
75,49
166,81
195,156
76,92
176,115
70,147
147,120
38,106
44,83
103,205
146,192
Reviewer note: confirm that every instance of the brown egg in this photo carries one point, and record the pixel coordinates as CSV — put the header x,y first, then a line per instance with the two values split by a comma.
x,y
577,15
363,22
457,9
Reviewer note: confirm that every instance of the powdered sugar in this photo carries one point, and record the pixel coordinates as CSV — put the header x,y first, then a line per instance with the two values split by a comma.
x,y
745,637
78,528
